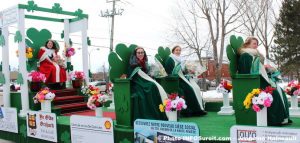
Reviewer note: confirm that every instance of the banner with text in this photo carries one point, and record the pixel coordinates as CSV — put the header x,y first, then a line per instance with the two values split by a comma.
x,y
246,134
8,119
155,131
85,129
41,125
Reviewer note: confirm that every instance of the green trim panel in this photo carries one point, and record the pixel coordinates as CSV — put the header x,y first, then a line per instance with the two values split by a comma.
x,y
22,6
44,18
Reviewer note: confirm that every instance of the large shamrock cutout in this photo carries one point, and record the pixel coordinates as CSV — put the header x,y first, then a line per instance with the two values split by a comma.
x,y
119,60
36,39
162,54
232,51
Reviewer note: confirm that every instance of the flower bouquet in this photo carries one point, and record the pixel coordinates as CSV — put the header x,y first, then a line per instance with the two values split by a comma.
x,y
60,61
90,90
29,53
173,104
259,98
77,78
157,70
95,102
36,79
193,68
69,52
293,88
224,87
44,96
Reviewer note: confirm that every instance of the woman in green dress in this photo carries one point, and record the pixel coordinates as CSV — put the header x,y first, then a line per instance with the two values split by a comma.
x,y
250,61
187,87
147,94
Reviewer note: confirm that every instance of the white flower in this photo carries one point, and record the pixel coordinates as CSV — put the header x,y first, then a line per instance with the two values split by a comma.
x,y
254,100
174,103
260,100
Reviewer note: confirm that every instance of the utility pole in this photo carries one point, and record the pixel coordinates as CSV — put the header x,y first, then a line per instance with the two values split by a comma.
x,y
112,14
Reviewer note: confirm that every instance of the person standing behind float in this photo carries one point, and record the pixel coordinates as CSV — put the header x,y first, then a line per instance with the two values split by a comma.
x,y
147,93
174,65
47,63
250,61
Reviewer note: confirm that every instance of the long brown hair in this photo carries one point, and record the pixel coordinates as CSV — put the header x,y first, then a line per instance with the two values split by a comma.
x,y
247,43
174,48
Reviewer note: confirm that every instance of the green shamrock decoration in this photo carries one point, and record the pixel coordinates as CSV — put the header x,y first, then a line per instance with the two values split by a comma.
x,y
36,39
232,51
31,6
20,79
119,60
125,141
162,54
65,137
2,40
56,8
69,67
2,78
79,13
23,130
18,37
62,34
88,41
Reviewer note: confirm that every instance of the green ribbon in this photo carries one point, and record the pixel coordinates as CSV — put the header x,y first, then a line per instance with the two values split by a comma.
x,y
134,72
275,76
176,69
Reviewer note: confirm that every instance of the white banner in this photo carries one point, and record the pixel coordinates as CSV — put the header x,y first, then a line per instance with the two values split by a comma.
x,y
246,134
41,125
8,119
85,129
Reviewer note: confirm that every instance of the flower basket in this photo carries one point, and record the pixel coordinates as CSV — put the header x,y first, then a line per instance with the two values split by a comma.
x,y
172,105
35,86
77,83
95,102
44,96
259,100
36,79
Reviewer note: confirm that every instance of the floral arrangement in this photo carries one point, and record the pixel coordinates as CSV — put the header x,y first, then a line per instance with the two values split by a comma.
x,y
42,95
293,88
35,76
90,90
224,87
29,54
96,100
172,103
193,68
157,70
70,52
60,61
77,75
259,98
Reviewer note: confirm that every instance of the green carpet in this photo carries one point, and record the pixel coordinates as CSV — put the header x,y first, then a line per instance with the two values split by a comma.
x,y
215,125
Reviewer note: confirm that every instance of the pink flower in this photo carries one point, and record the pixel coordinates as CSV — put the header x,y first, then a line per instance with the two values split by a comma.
x,y
255,108
296,92
179,105
267,102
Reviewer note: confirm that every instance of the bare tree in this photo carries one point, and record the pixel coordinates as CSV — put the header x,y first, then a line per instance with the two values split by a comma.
x,y
221,16
266,26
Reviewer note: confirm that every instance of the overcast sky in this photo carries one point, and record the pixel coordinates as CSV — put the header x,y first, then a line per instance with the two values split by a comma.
x,y
147,23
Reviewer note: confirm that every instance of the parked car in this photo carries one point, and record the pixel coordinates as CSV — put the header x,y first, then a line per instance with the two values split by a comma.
x,y
213,83
201,84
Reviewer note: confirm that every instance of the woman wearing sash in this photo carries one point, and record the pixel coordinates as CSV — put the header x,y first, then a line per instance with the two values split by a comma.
x,y
187,87
147,93
250,61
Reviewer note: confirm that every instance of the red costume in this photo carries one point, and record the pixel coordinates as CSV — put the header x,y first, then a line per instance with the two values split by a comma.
x,y
52,71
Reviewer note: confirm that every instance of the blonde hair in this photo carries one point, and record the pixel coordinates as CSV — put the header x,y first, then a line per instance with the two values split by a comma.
x,y
247,43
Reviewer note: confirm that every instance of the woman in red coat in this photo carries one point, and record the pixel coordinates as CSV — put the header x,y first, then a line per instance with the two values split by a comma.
x,y
48,63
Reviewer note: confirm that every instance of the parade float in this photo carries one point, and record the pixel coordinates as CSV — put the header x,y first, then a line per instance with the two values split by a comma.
x,y
37,114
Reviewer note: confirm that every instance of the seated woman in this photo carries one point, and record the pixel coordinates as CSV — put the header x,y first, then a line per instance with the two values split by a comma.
x,y
147,93
189,90
250,61
48,64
